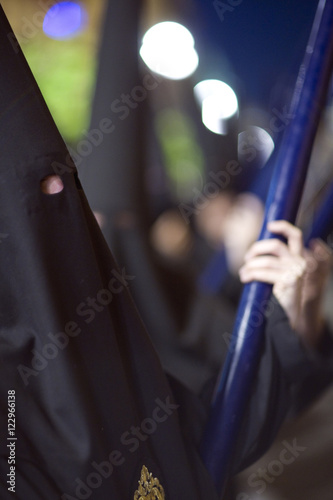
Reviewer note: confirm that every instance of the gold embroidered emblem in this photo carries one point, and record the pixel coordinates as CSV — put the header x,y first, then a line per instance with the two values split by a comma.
x,y
149,487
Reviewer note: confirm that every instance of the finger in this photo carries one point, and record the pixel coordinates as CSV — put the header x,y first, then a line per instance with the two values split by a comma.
x,y
271,246
51,184
311,261
270,276
265,262
292,233
287,270
321,251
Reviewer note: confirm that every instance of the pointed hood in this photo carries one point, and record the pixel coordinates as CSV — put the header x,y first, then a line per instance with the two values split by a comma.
x,y
26,126
93,407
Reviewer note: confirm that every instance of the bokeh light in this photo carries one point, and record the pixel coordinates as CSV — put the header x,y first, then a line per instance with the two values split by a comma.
x,y
168,49
64,20
218,103
255,142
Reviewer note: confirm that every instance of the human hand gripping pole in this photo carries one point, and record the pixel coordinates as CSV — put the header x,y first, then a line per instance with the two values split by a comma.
x,y
236,378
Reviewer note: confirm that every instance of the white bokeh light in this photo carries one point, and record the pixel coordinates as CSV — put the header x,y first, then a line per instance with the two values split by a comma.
x,y
257,139
168,49
218,103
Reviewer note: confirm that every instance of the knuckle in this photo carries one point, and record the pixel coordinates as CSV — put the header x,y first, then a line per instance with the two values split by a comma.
x,y
277,245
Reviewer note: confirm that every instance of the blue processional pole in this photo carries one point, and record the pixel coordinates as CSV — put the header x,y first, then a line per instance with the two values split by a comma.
x,y
236,379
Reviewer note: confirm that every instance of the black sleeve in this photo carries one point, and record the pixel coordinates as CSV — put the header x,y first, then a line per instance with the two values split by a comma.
x,y
289,378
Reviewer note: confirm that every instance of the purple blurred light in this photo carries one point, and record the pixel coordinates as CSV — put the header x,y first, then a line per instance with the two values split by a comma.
x,y
64,20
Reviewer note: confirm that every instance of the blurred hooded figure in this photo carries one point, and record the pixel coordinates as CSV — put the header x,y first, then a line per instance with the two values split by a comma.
x,y
113,176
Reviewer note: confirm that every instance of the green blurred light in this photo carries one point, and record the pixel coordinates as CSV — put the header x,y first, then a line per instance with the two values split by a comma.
x,y
183,156
65,73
